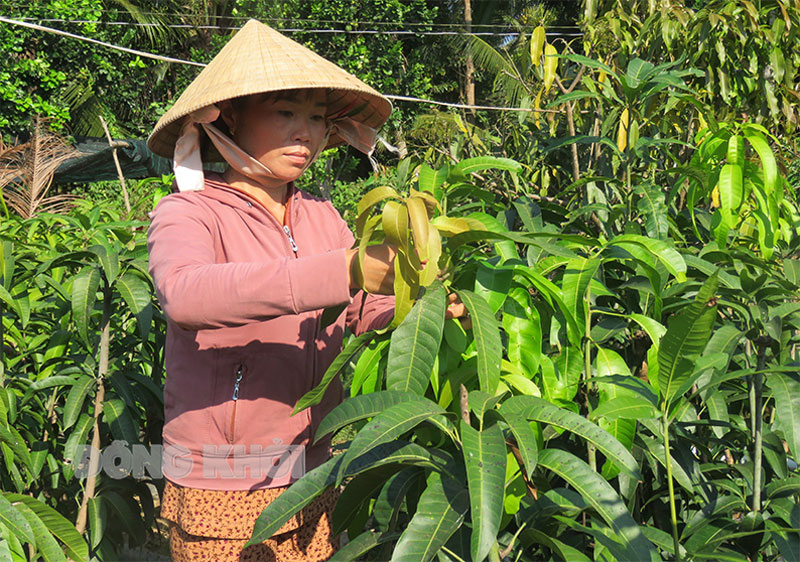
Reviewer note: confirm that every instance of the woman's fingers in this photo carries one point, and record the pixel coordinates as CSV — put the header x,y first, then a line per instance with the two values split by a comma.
x,y
378,268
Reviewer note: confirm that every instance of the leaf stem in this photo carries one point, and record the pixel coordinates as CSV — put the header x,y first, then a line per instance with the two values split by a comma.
x,y
668,463
756,397
591,450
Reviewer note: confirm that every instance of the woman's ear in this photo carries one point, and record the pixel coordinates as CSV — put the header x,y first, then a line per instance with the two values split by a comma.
x,y
228,115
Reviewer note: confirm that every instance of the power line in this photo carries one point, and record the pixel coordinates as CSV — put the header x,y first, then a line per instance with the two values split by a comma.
x,y
298,30
182,61
276,20
96,42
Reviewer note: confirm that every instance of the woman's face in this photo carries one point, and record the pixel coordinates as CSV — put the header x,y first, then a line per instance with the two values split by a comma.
x,y
283,133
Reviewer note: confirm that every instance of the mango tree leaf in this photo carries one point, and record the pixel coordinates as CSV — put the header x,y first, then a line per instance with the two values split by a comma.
x,y
625,407
493,285
314,396
430,180
660,249
481,163
74,404
767,157
137,295
485,459
687,335
15,521
362,407
57,524
601,496
295,498
525,437
487,340
537,409
366,371
357,493
786,392
415,344
45,543
120,420
390,498
440,511
84,295
387,426
360,545
652,205
577,276
522,326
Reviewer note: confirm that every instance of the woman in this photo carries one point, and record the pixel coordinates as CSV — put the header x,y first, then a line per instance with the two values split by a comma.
x,y
244,265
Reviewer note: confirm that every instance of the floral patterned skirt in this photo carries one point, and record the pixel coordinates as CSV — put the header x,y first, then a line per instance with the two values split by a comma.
x,y
214,525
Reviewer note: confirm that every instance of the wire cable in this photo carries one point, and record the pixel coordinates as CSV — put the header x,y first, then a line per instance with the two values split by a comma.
x,y
182,61
300,30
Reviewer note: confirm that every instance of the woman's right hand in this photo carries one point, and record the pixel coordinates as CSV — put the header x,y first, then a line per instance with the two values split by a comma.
x,y
378,269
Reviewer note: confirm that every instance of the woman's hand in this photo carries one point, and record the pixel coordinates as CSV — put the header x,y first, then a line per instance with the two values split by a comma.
x,y
378,269
457,309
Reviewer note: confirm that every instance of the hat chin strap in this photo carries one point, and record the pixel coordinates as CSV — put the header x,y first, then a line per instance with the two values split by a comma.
x,y
187,161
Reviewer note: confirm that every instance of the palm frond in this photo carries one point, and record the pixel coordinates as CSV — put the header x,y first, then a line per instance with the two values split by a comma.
x,y
509,80
27,172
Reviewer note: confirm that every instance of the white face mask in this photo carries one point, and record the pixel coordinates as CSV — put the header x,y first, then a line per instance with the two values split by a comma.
x,y
188,164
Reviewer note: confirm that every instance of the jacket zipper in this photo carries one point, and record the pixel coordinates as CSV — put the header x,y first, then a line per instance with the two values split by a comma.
x,y
291,240
235,399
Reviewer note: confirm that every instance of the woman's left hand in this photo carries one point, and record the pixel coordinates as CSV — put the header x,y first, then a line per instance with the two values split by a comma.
x,y
457,309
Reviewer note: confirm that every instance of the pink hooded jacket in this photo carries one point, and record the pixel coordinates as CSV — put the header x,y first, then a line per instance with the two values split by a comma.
x,y
243,297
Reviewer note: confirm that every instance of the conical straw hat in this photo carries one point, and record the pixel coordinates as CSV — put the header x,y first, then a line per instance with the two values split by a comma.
x,y
258,59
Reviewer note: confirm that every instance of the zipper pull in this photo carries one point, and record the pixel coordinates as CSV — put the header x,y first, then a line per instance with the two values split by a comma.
x,y
236,384
289,236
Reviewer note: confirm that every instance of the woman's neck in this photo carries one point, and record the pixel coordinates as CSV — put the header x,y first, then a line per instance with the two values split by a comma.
x,y
271,197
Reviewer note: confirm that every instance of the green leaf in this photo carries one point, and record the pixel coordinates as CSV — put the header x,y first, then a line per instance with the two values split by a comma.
x,y
387,426
493,285
11,437
97,520
481,163
768,163
362,407
782,488
485,459
652,205
137,296
295,498
660,249
602,497
368,367
522,327
415,344
359,546
75,398
314,396
625,407
109,261
395,224
686,337
487,340
537,409
57,524
577,276
430,180
786,392
731,192
357,493
390,498
525,437
440,511
15,521
369,200
84,295
45,543
120,420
